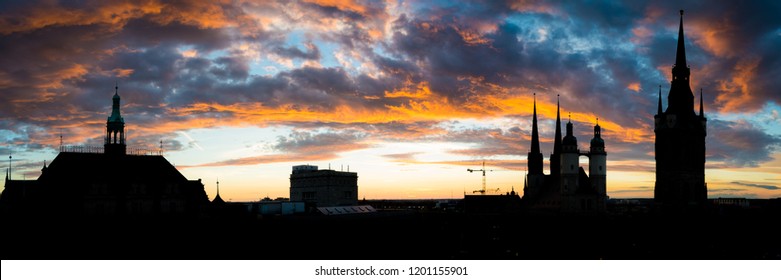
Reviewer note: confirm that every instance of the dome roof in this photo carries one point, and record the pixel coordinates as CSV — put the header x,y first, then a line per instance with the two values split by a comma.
x,y
597,142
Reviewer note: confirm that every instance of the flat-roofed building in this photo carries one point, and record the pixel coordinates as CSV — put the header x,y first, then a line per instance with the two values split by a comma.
x,y
323,187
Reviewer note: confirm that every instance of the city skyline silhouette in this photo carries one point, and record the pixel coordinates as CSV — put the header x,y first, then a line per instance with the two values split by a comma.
x,y
390,130
402,92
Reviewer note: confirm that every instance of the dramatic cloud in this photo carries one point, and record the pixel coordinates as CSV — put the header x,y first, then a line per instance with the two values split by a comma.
x,y
739,143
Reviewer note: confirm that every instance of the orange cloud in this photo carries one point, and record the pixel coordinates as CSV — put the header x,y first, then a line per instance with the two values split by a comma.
x,y
420,91
736,93
121,73
345,5
203,14
715,37
634,87
472,37
112,14
532,6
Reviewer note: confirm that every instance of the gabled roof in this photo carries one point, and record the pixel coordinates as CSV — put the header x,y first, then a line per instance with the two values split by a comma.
x,y
70,166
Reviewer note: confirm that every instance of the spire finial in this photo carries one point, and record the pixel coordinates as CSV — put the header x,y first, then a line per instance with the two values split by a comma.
x,y
218,186
569,116
597,121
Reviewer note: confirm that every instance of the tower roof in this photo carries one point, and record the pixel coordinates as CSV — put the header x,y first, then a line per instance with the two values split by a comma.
x,y
557,137
217,198
680,55
680,100
570,139
597,140
115,117
535,134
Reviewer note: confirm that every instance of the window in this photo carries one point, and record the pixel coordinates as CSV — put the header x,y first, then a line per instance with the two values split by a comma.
x,y
348,194
600,168
308,195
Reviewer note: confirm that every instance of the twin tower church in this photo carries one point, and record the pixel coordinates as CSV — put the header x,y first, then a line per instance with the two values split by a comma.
x,y
112,182
679,151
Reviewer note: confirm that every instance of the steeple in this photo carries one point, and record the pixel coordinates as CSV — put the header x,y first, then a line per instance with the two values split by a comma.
x,y
534,159
597,144
680,100
115,115
114,143
555,158
535,134
217,198
570,139
557,137
702,115
680,55
659,111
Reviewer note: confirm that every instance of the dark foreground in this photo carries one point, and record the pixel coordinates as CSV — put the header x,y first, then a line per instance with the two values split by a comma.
x,y
398,235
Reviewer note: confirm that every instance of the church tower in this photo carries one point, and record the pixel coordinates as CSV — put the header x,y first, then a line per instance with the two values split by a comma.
x,y
535,156
597,162
680,142
535,178
114,143
569,162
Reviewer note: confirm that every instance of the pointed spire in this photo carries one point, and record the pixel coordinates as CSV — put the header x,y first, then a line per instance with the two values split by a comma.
x,y
535,134
557,137
555,157
659,111
680,57
217,198
525,181
702,115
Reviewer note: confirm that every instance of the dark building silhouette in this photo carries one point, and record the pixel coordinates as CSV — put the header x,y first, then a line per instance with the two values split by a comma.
x,y
568,188
324,187
680,142
88,182
508,203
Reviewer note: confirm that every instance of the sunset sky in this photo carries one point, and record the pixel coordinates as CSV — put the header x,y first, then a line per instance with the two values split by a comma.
x,y
409,94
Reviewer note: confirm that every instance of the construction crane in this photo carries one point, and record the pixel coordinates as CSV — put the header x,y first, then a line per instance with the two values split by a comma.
x,y
481,191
